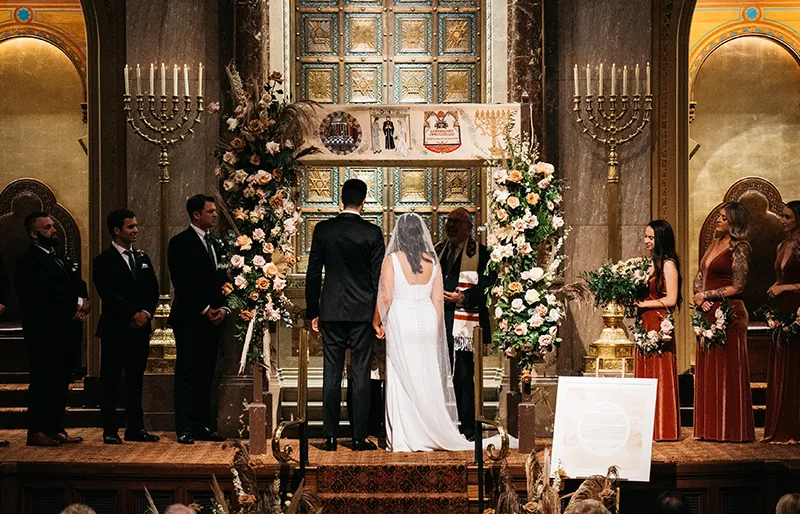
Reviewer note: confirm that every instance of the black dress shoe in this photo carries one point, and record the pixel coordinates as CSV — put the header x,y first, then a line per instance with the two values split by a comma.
x,y
141,435
42,439
470,437
330,444
206,434
361,445
186,439
112,439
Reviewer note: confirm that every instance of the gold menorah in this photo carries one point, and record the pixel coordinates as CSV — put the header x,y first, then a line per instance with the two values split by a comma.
x,y
493,123
611,128
164,125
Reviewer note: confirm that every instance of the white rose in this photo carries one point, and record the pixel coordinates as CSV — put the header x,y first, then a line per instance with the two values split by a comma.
x,y
521,329
553,330
278,284
551,299
259,261
501,195
519,224
536,321
666,325
536,274
531,220
719,314
544,183
510,352
708,334
524,248
246,269
545,340
497,291
498,312
698,330
240,282
517,305
550,205
272,147
532,296
558,222
553,315
232,124
258,235
237,261
500,176
228,185
496,255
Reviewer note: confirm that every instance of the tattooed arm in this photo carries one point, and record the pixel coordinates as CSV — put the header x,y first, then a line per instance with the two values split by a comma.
x,y
740,269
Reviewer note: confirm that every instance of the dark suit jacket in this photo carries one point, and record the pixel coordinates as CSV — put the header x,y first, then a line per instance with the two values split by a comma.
x,y
351,250
196,280
474,297
48,297
5,285
123,296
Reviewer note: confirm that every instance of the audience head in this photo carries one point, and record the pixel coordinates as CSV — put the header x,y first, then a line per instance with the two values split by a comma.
x,y
672,502
41,229
458,226
354,194
791,216
589,507
179,508
202,210
788,504
659,239
732,220
123,227
79,508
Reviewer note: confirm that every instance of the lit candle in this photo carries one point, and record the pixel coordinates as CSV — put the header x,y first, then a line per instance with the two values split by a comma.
x,y
647,74
174,80
186,80
613,80
637,81
127,84
163,80
200,81
138,80
624,81
600,93
575,78
588,81
152,80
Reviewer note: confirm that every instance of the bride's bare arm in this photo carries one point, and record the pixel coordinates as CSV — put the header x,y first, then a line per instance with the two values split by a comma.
x,y
385,290
437,294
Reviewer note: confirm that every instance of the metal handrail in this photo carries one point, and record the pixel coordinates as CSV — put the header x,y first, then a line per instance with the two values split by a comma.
x,y
285,455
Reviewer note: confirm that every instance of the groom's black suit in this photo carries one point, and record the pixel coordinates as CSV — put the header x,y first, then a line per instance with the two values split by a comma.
x,y
351,251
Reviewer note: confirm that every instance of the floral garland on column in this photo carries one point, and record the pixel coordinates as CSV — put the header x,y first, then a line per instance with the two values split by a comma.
x,y
258,169
524,239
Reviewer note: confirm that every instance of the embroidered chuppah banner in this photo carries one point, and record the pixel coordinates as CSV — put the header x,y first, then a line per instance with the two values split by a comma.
x,y
462,135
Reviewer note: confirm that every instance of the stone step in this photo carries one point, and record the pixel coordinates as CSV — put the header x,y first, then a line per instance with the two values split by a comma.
x,y
15,395
77,417
420,503
759,415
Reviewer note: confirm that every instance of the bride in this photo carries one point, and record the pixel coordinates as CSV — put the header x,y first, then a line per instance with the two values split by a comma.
x,y
420,403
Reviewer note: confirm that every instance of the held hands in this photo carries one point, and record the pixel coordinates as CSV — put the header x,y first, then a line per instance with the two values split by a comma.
x,y
380,333
454,297
216,316
139,320
775,290
81,313
701,302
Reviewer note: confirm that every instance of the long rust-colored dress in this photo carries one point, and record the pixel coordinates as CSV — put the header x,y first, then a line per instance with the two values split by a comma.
x,y
663,367
783,387
723,402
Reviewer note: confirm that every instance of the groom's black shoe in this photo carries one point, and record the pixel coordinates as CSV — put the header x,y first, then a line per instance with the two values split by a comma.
x,y
360,445
330,444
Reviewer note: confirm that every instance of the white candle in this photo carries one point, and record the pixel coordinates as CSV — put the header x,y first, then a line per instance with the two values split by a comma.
x,y
152,80
127,84
186,80
600,93
163,80
588,81
647,73
200,81
613,79
624,81
138,79
174,80
637,81
575,78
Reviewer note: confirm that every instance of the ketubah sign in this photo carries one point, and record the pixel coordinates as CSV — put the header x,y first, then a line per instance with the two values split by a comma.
x,y
424,134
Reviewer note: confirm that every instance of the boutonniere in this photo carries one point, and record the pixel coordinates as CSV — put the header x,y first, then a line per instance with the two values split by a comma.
x,y
145,265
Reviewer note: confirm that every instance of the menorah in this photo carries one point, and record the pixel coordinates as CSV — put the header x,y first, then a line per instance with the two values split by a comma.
x,y
164,125
614,127
493,123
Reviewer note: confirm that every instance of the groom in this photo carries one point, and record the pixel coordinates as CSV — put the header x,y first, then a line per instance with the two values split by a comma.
x,y
351,250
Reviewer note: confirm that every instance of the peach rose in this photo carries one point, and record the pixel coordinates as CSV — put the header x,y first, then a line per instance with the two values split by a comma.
x,y
227,288
244,242
502,215
237,143
515,287
515,176
262,283
513,202
255,160
270,269
254,296
246,315
532,198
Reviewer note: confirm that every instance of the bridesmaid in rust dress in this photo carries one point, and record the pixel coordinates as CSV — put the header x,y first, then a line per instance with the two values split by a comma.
x,y
663,297
723,403
783,388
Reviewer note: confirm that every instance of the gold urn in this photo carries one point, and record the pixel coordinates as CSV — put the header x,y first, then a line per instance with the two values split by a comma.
x,y
612,354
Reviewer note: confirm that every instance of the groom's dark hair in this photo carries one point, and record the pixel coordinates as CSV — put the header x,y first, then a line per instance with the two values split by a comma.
x,y
354,192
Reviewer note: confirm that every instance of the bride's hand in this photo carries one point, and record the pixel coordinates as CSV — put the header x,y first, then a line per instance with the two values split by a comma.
x,y
380,333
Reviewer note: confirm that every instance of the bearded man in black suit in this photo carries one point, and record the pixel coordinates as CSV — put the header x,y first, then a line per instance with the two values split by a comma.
x,y
127,285
53,302
351,251
198,310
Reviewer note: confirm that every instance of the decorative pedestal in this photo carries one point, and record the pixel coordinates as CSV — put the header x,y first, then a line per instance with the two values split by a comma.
x,y
526,417
611,355
161,359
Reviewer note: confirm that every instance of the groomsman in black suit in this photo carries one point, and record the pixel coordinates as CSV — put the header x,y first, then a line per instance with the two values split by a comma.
x,y
197,313
5,292
351,250
54,302
127,285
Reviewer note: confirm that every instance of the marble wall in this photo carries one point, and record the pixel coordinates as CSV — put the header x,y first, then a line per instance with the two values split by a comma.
x,y
580,32
175,32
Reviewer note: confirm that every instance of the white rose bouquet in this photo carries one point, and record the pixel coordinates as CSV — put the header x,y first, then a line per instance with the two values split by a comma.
x,y
652,341
622,282
709,334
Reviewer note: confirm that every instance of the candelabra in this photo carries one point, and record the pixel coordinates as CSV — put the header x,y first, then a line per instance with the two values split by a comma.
x,y
621,122
163,123
613,127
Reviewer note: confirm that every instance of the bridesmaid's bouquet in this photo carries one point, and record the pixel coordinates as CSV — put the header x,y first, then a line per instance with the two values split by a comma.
x,y
652,341
525,237
622,282
708,334
782,326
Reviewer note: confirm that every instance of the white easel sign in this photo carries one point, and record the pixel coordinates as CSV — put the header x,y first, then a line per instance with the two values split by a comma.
x,y
602,422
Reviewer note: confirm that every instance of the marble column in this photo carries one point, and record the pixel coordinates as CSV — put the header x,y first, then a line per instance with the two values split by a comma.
x,y
526,57
251,40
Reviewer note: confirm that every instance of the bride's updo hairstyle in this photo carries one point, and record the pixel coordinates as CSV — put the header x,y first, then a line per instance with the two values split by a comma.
x,y
412,238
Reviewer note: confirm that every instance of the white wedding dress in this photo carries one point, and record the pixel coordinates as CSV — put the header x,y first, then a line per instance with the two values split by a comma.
x,y
418,417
